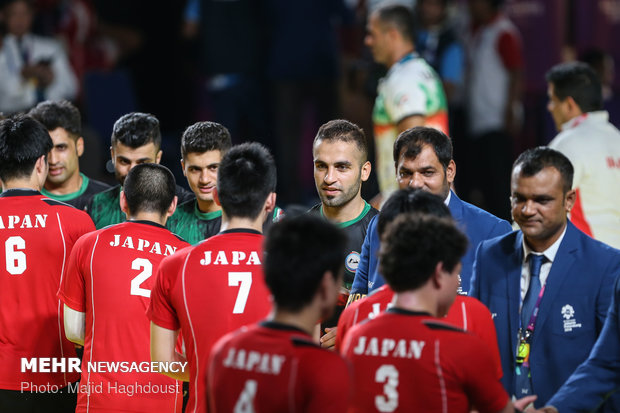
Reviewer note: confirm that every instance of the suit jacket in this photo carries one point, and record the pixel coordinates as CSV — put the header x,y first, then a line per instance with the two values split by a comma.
x,y
572,310
476,223
600,373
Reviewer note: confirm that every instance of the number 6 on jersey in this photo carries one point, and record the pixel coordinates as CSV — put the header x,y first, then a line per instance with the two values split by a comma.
x,y
244,280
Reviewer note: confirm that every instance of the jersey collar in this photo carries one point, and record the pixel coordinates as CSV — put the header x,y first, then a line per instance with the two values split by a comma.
x,y
402,311
281,326
19,192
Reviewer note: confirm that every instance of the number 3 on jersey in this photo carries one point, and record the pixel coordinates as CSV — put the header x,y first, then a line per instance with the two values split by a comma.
x,y
388,401
244,281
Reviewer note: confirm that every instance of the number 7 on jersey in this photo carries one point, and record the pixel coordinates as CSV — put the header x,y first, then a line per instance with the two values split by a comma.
x,y
244,281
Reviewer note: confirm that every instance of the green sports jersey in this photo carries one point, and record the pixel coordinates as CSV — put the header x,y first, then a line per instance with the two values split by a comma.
x,y
189,223
105,208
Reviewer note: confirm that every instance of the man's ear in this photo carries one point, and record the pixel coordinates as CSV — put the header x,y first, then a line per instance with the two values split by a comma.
x,y
437,277
158,156
79,146
366,168
270,202
172,207
570,198
123,203
183,167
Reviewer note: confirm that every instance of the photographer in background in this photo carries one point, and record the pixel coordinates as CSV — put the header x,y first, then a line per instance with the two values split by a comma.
x,y
33,68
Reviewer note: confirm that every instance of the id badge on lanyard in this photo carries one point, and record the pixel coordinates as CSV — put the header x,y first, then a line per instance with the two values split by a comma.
x,y
525,334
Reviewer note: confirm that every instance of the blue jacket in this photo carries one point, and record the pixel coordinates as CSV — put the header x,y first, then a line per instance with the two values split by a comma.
x,y
600,373
476,223
572,310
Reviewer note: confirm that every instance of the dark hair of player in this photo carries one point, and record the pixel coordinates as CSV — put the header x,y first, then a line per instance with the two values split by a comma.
x,y
410,200
23,140
535,160
579,81
136,129
398,16
413,245
343,130
149,187
298,252
413,140
205,136
61,114
246,176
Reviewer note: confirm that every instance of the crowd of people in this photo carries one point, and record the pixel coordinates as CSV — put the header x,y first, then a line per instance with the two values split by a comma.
x,y
216,299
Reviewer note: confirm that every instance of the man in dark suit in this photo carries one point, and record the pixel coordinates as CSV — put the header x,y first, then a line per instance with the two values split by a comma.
x,y
549,285
423,159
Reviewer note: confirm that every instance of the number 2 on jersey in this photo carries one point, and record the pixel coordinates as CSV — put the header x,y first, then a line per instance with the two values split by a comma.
x,y
244,280
15,256
147,270
388,401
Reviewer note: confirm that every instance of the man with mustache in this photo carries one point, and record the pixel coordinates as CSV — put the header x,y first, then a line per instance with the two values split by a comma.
x,y
341,164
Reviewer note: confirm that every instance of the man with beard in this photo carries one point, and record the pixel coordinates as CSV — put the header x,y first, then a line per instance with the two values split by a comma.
x,y
64,180
136,139
341,164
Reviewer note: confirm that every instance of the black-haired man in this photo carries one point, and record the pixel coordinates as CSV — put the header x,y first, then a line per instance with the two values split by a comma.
x,y
407,359
64,180
303,270
548,285
592,144
136,139
109,278
36,235
234,292
340,166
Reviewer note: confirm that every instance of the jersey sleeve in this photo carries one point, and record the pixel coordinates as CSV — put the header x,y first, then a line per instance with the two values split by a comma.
x,y
161,311
479,375
404,98
481,324
327,384
72,288
345,322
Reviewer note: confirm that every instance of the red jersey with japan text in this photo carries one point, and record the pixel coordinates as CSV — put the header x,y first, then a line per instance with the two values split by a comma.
x,y
36,237
466,313
406,361
208,291
272,367
110,277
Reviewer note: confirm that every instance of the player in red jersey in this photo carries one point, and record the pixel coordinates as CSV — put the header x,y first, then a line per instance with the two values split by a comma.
x,y
36,237
466,313
106,293
217,286
274,366
406,359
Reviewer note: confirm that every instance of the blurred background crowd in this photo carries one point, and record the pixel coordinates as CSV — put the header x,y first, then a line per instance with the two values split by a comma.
x,y
273,71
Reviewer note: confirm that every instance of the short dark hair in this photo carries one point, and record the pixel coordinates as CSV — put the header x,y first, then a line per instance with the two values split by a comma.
x,y
343,130
534,160
60,114
413,245
413,140
398,16
245,178
579,81
205,136
136,129
23,140
149,187
298,252
410,200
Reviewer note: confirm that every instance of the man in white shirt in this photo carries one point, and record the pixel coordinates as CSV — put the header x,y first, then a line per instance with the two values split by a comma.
x,y
33,68
593,146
